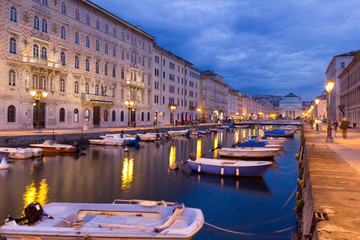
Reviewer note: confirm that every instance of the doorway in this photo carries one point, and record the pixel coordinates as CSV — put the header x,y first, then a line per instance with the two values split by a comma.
x,y
96,116
39,115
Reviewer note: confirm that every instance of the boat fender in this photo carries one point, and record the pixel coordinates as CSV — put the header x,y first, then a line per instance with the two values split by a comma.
x,y
222,171
237,172
199,168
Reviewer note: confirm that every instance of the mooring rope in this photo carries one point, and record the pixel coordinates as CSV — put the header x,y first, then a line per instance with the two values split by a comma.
x,y
289,198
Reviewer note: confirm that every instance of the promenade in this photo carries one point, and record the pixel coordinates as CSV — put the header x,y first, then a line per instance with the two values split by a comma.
x,y
334,173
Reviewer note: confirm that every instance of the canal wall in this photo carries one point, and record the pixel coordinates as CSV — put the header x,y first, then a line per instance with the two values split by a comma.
x,y
17,139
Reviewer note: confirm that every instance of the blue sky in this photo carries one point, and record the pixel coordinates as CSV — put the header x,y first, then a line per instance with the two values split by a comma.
x,y
258,46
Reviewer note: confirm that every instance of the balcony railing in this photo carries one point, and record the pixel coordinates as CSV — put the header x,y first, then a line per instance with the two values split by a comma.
x,y
41,62
135,83
92,98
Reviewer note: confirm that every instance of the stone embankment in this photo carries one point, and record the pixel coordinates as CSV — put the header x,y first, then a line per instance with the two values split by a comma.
x,y
329,190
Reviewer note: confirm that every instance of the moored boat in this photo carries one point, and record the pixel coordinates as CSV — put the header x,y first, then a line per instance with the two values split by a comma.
x,y
254,143
55,147
229,167
124,219
151,137
22,153
179,133
255,152
115,140
4,161
279,133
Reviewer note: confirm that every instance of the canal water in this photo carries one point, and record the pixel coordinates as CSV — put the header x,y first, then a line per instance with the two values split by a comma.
x,y
252,207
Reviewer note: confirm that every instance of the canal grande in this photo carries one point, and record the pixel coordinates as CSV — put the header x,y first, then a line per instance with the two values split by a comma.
x,y
243,205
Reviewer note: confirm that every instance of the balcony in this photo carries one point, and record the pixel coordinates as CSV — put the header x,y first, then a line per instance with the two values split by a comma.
x,y
92,98
133,83
41,62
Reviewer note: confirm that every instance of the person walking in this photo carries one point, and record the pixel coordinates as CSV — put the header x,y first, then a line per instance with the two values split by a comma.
x,y
336,124
344,126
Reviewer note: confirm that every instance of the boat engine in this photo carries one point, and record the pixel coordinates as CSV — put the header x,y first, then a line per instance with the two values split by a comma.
x,y
33,213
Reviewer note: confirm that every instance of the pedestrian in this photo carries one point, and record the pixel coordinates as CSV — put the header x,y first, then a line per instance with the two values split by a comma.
x,y
336,124
344,126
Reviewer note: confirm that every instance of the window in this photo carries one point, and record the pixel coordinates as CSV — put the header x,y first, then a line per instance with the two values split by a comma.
x,y
105,116
122,54
97,24
12,45
45,2
88,19
114,51
87,115
87,65
36,23
114,32
96,89
106,48
76,87
113,90
63,8
63,33
87,42
12,78
122,116
44,26
342,64
122,93
77,62
11,113
97,67
76,115
62,115
148,116
63,58
43,83
106,28
13,14
87,89
113,116
44,53
77,14
35,81
62,85
77,38
114,71
36,51
122,73
142,116
97,45
106,70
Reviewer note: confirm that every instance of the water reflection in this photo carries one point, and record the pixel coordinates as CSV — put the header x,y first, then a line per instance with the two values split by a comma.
x,y
216,144
198,148
127,172
172,155
33,194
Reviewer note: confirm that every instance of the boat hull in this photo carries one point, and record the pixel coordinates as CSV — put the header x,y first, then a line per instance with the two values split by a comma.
x,y
248,153
55,149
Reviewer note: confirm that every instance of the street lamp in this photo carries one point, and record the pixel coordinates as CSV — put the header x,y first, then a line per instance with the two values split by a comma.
x,y
129,105
317,114
329,86
37,96
199,111
173,107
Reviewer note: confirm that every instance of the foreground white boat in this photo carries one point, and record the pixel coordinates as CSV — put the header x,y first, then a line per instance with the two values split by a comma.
x,y
124,219
22,153
256,152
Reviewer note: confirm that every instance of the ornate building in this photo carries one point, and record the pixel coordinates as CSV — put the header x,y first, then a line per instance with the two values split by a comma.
x,y
87,60
291,106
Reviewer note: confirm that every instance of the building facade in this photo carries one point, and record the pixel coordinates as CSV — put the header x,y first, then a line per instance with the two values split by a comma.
x,y
176,89
213,97
320,109
252,109
336,66
291,106
88,61
235,104
350,91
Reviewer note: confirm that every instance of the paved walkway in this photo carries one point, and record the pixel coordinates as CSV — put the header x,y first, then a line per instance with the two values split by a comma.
x,y
335,177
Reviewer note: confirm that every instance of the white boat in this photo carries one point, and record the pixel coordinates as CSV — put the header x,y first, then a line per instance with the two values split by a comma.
x,y
151,137
248,152
179,133
115,140
22,153
204,132
3,161
124,219
55,147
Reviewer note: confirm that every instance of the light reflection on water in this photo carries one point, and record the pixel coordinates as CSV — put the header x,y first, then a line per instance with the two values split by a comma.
x,y
107,173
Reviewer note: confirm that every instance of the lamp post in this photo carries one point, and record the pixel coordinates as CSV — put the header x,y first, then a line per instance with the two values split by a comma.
x,y
199,111
173,107
317,114
329,87
129,104
37,96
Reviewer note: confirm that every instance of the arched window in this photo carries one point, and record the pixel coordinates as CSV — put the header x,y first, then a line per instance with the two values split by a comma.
x,y
97,45
13,14
114,51
114,71
87,65
87,88
106,28
63,8
113,116
44,26
62,85
63,33
12,45
77,14
113,92
76,115
12,78
76,87
87,42
96,89
148,117
77,62
43,83
97,24
11,114
36,23
122,73
122,116
36,81
122,93
62,115
106,48
36,51
106,70
77,38
44,53
97,67
63,58
88,19
105,116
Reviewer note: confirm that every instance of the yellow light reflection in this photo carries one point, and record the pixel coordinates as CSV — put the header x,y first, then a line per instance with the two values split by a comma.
x,y
243,134
172,155
32,194
236,136
198,148
127,173
215,146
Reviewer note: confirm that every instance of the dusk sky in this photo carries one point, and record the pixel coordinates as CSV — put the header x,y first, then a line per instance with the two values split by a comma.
x,y
258,46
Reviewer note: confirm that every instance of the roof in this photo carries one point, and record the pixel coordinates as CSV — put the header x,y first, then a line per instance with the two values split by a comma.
x,y
348,54
353,62
291,95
